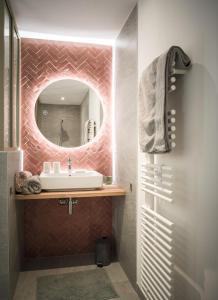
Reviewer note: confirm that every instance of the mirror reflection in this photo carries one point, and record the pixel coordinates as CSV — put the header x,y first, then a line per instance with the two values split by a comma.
x,y
69,113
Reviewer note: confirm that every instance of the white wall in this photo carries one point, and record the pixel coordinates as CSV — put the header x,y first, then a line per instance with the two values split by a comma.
x,y
11,224
193,25
124,209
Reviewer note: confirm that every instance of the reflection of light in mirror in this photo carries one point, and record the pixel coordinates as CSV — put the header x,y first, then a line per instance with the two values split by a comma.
x,y
45,112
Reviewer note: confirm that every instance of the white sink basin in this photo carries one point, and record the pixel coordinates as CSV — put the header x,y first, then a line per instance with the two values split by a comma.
x,y
79,179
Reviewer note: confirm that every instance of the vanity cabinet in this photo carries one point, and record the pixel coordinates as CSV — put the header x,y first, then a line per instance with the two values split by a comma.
x,y
9,79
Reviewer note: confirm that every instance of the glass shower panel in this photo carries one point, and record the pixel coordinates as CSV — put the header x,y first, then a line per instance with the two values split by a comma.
x,y
7,81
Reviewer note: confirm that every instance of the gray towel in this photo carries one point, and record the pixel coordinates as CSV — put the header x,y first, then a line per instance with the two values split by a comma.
x,y
21,182
153,94
34,185
27,184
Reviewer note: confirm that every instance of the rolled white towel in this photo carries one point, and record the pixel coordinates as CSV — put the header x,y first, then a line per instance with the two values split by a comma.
x,y
20,182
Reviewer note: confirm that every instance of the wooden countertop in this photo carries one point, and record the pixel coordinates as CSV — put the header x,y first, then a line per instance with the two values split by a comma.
x,y
107,190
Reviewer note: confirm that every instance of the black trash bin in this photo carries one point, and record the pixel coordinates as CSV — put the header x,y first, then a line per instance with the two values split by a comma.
x,y
103,252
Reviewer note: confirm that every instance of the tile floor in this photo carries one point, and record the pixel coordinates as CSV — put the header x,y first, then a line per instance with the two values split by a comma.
x,y
26,287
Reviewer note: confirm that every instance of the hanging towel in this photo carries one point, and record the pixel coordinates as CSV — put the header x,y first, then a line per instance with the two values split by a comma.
x,y
89,131
153,96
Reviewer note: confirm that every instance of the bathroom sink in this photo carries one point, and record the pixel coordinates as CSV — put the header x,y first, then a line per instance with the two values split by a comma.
x,y
79,179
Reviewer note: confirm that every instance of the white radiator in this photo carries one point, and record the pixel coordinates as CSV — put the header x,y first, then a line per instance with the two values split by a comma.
x,y
156,255
155,265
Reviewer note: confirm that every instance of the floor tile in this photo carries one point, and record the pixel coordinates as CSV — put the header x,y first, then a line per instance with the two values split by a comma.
x,y
116,273
124,289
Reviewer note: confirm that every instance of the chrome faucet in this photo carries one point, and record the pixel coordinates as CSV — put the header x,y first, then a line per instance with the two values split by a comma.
x,y
69,166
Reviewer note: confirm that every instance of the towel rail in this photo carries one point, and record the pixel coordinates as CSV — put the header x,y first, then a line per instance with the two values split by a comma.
x,y
154,180
148,258
147,292
156,222
151,172
154,286
150,211
157,195
157,187
150,286
167,261
156,251
147,230
157,283
154,241
157,231
155,257
154,166
157,272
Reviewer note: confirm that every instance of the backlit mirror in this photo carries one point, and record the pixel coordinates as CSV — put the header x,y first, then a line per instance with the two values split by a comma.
x,y
69,113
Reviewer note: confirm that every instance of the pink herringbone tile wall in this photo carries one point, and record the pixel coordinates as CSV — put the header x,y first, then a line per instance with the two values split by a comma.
x,y
43,62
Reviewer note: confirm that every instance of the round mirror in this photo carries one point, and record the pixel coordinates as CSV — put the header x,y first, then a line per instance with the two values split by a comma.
x,y
69,113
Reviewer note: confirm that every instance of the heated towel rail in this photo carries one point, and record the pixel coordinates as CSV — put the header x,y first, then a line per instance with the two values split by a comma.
x,y
156,233
156,267
156,274
156,180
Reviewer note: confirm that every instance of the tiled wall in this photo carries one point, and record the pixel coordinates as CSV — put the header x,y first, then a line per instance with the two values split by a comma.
x,y
10,225
124,218
44,62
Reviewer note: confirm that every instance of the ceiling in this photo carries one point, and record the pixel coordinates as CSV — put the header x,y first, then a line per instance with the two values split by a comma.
x,y
66,91
92,19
